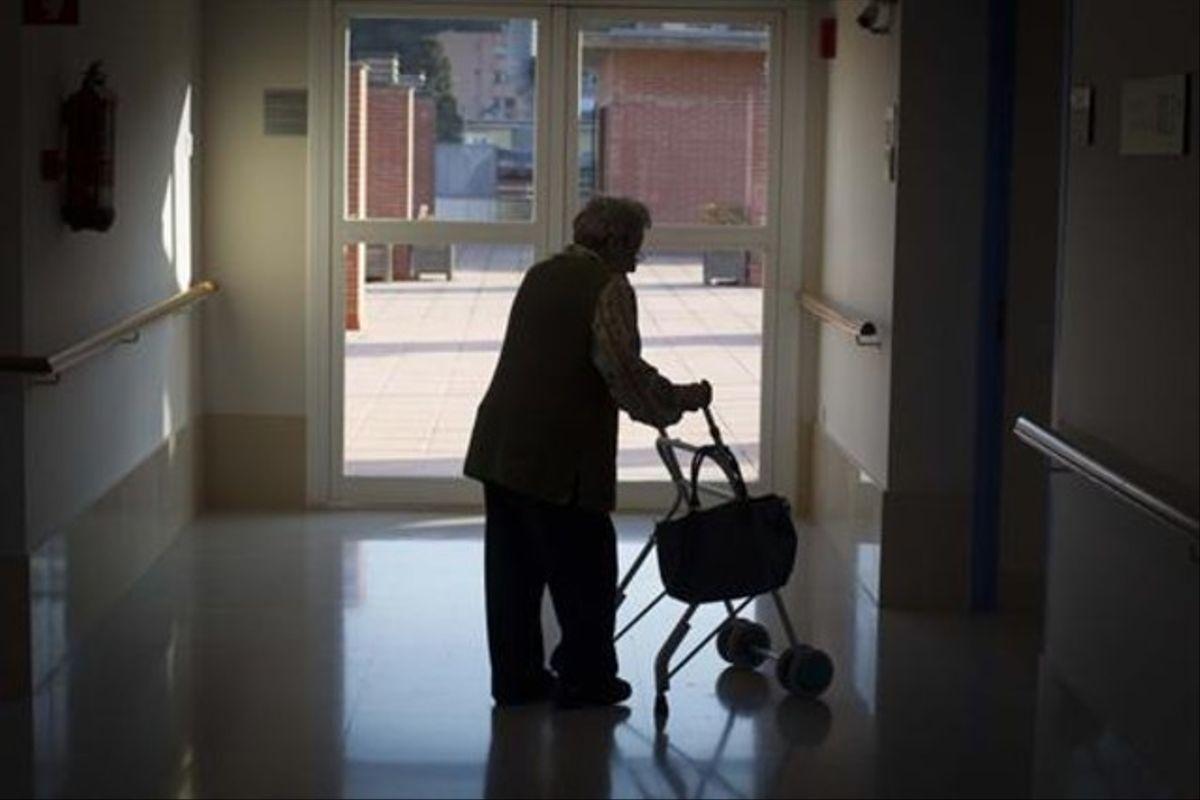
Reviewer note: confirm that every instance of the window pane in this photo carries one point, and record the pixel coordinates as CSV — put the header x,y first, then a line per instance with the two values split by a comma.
x,y
424,327
440,119
700,316
423,333
675,114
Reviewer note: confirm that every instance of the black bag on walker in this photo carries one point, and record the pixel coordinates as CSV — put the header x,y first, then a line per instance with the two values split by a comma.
x,y
737,549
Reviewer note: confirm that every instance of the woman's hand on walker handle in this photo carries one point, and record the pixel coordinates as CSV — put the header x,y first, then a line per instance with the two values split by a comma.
x,y
696,396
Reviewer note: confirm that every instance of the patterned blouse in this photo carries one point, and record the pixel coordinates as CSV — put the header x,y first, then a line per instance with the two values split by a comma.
x,y
636,386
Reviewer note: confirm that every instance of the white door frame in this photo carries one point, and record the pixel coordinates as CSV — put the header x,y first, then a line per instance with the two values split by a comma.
x,y
556,200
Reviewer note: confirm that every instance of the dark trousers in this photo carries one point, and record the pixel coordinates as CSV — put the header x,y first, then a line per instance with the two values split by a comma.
x,y
530,545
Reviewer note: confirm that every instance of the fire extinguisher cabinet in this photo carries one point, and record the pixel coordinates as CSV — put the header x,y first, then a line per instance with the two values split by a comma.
x,y
89,119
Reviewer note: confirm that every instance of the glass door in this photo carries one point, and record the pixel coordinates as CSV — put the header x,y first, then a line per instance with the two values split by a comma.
x,y
440,205
465,140
680,110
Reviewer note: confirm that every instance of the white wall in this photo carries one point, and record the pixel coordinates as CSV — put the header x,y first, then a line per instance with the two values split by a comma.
x,y
858,236
909,256
1126,359
1122,588
86,433
255,218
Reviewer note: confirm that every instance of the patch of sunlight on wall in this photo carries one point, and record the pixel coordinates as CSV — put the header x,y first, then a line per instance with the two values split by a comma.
x,y
168,418
177,200
168,221
177,236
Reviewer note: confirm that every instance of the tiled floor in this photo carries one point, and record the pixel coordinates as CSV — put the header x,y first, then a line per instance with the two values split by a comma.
x,y
343,655
419,366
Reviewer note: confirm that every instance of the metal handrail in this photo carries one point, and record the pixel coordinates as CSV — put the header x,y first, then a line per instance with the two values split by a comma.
x,y
126,331
1059,449
864,331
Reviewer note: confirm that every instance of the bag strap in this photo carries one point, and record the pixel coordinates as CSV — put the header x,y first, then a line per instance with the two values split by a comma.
x,y
724,458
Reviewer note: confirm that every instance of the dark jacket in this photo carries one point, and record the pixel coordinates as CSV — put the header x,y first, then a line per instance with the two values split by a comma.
x,y
547,426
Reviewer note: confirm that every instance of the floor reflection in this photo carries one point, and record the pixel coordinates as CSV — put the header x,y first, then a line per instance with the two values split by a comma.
x,y
344,655
536,752
744,694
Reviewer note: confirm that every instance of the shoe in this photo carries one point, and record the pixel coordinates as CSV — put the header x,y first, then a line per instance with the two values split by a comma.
x,y
542,690
609,692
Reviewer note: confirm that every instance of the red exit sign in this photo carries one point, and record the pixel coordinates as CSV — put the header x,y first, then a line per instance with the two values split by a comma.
x,y
51,12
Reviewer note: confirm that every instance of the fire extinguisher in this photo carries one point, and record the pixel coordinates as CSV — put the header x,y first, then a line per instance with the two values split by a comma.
x,y
89,117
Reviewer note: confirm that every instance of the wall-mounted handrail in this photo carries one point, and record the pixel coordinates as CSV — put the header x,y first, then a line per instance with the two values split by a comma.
x,y
1052,444
864,331
125,331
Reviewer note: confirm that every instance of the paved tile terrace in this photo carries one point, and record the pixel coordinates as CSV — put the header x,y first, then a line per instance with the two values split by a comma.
x,y
423,359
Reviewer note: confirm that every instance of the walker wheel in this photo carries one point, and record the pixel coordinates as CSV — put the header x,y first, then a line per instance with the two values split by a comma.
x,y
741,642
804,671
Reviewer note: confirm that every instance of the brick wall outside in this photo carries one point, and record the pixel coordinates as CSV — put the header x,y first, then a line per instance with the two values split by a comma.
x,y
387,153
684,128
426,148
378,118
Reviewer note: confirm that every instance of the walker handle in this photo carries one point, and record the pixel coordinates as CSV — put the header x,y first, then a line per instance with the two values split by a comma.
x,y
713,430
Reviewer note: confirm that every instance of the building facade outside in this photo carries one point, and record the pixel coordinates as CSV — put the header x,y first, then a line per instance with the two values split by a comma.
x,y
674,115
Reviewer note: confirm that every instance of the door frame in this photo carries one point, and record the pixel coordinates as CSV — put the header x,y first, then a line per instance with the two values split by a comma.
x,y
556,142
